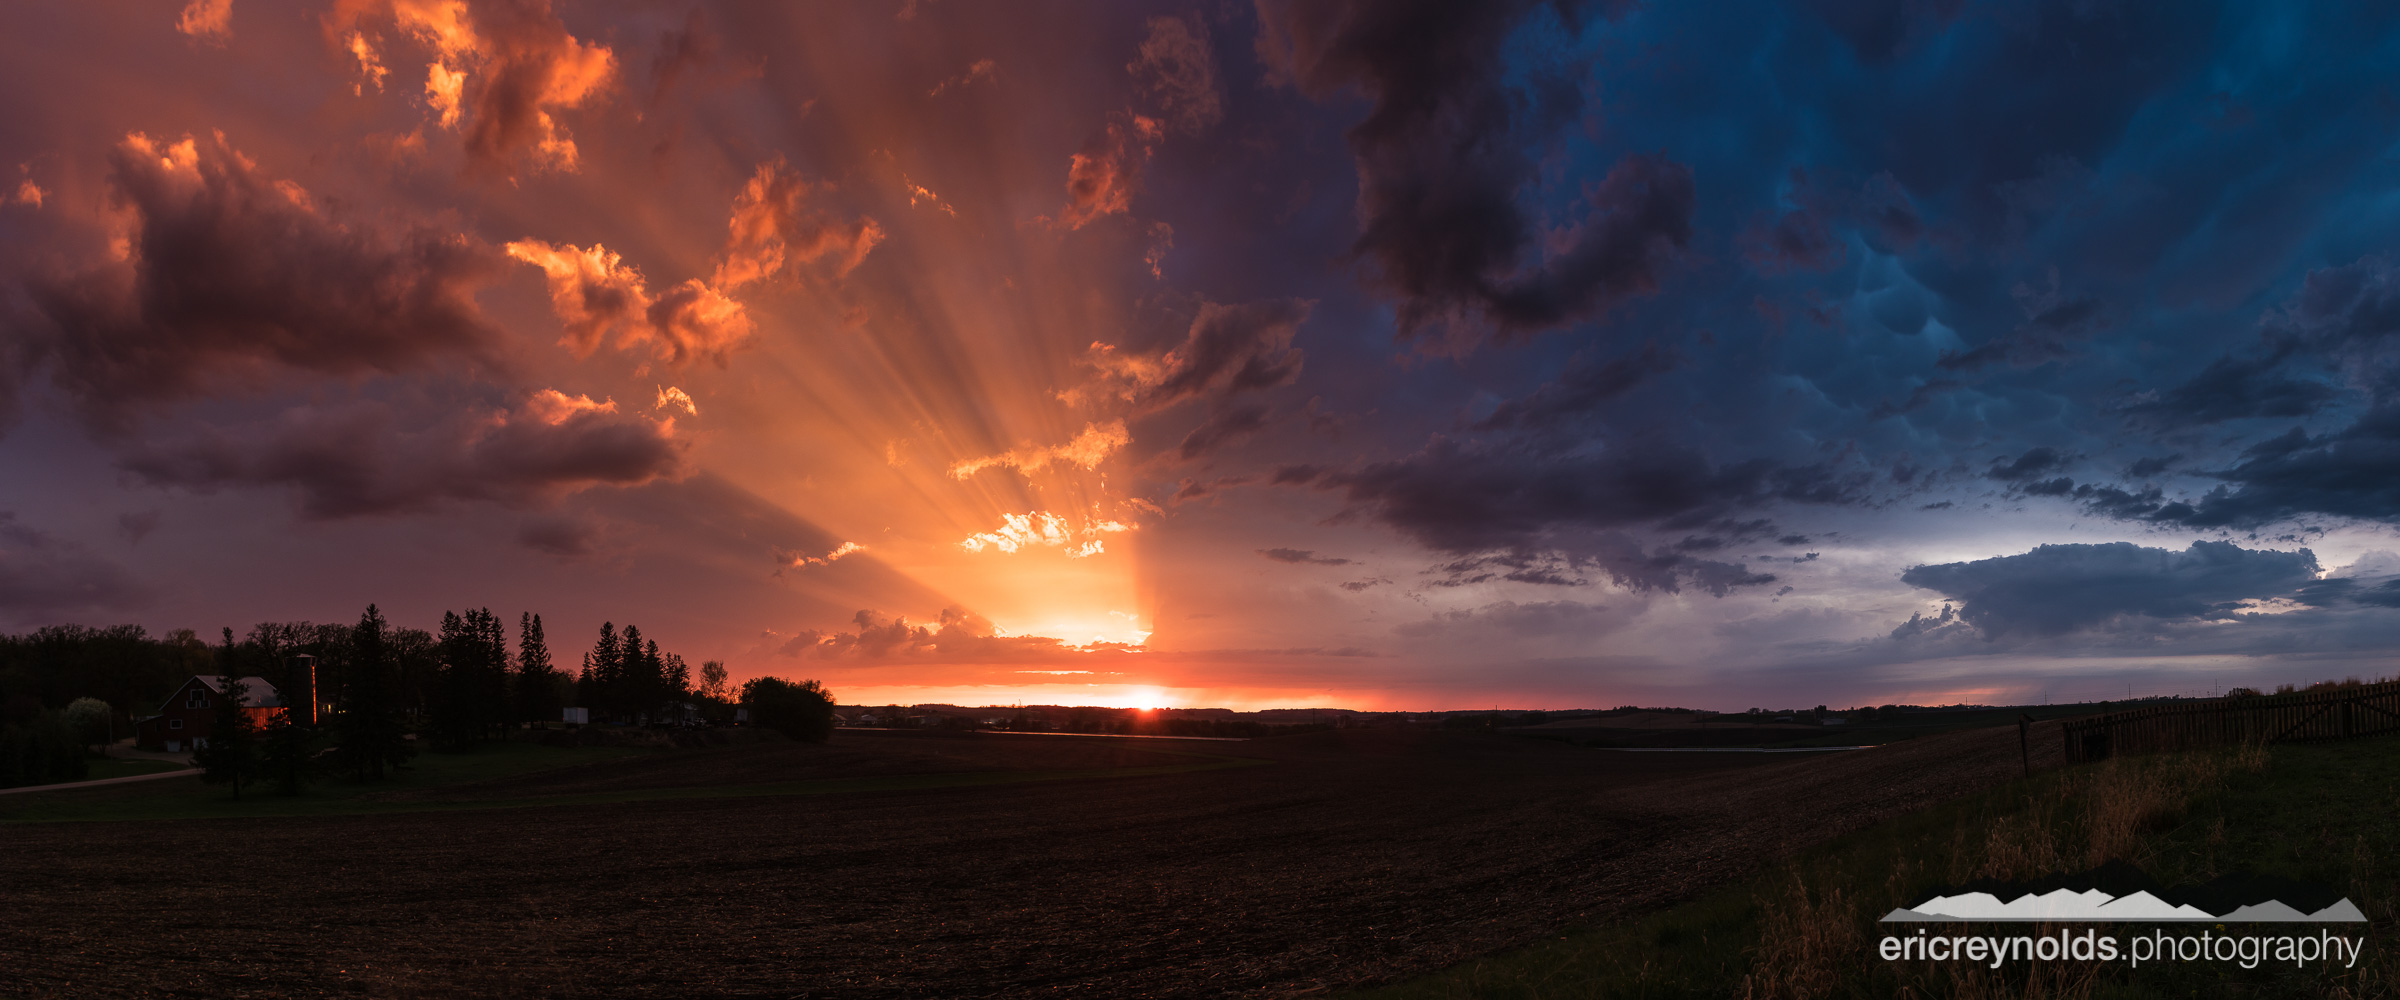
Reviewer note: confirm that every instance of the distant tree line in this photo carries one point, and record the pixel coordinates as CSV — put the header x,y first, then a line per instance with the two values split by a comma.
x,y
376,686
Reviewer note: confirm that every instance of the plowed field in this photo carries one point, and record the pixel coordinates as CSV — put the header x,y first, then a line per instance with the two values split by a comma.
x,y
1345,858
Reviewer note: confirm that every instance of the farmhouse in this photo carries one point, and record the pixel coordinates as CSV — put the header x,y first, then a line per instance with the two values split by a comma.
x,y
185,718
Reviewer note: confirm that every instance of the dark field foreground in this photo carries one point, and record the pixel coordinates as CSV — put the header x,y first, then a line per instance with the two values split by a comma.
x,y
1345,858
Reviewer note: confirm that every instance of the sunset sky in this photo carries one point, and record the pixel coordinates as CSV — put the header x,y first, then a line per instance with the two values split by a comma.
x,y
1360,353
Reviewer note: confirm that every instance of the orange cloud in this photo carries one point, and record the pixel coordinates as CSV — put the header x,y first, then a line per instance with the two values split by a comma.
x,y
1087,449
1042,529
501,72
595,293
1100,179
672,396
207,20
773,225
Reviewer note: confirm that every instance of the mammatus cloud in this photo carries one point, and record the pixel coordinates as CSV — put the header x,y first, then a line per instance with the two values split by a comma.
x,y
501,73
1087,450
207,20
366,459
1445,157
2055,589
42,574
1042,529
221,271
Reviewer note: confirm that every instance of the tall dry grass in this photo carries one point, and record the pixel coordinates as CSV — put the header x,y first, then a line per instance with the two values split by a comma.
x,y
1811,941
1805,941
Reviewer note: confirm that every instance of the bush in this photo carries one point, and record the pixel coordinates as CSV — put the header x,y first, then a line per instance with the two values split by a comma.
x,y
802,711
88,717
39,752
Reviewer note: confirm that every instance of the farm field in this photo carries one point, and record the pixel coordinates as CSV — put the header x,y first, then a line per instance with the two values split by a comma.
x,y
1327,860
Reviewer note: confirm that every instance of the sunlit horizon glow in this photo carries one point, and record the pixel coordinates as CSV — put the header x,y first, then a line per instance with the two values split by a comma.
x,y
1220,355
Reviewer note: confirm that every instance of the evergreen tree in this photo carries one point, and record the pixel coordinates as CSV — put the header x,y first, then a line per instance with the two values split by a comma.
x,y
452,715
368,722
678,678
608,670
492,679
632,677
645,675
230,754
537,680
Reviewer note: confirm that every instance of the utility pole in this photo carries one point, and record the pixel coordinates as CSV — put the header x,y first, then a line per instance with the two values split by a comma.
x,y
2025,741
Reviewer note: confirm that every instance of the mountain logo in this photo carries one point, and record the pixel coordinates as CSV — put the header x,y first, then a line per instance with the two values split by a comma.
x,y
2119,892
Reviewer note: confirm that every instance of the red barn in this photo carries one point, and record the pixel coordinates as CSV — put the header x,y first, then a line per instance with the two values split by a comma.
x,y
185,717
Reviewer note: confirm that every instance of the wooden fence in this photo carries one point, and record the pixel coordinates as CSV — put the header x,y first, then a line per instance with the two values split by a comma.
x,y
2323,714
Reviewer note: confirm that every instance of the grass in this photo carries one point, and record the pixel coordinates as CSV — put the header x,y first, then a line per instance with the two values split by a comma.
x,y
333,797
2325,813
125,767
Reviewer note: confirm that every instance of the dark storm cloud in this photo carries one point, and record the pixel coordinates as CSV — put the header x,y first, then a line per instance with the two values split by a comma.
x,y
2234,388
228,268
2152,465
2055,589
1582,389
1301,556
367,459
1538,517
2346,590
1227,350
1228,424
1876,29
2335,307
43,574
1447,150
1464,497
2034,462
2353,473
1512,619
2049,333
565,537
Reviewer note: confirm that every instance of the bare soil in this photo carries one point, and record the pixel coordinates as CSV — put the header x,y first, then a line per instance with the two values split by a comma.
x,y
1349,858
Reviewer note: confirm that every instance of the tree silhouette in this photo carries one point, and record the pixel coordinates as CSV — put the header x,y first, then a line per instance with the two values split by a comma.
x,y
802,711
230,754
537,679
368,723
607,668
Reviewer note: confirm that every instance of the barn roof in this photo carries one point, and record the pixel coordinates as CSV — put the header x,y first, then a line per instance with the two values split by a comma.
x,y
258,693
